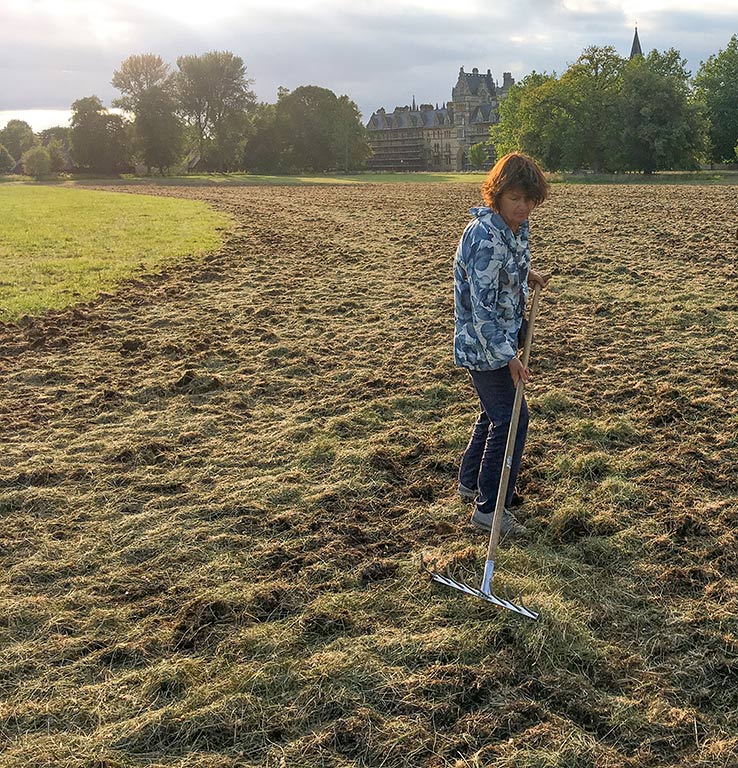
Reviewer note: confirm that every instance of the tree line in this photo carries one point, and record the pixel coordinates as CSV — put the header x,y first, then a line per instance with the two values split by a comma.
x,y
203,114
611,114
605,113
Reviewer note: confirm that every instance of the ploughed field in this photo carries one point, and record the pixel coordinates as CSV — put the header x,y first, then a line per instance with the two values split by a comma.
x,y
216,484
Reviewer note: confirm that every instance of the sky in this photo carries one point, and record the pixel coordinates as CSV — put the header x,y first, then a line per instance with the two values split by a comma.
x,y
381,53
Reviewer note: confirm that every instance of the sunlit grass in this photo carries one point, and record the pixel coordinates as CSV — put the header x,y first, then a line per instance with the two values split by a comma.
x,y
236,179
63,246
660,177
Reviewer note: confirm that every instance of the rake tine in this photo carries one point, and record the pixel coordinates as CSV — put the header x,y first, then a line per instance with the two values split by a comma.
x,y
472,587
474,582
475,588
490,598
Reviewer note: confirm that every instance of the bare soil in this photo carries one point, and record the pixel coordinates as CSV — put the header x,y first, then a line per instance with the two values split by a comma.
x,y
215,485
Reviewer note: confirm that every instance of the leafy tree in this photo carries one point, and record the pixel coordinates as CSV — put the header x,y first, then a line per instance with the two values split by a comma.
x,y
17,137
100,140
515,114
136,77
479,155
318,131
670,64
148,92
262,151
605,113
225,152
350,136
536,117
60,133
36,162
89,134
660,127
305,125
58,141
7,162
57,155
552,132
716,86
213,95
158,131
590,88
566,122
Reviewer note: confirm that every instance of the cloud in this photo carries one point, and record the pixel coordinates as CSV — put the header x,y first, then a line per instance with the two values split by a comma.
x,y
379,53
382,60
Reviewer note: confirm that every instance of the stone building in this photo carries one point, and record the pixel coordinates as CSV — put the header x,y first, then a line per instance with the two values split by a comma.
x,y
428,138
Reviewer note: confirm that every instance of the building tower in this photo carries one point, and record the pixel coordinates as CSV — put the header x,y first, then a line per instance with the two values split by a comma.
x,y
635,49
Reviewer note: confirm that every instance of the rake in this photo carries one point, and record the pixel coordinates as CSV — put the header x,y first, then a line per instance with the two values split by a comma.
x,y
484,592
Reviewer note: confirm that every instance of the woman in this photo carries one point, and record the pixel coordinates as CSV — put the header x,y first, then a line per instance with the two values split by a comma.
x,y
492,276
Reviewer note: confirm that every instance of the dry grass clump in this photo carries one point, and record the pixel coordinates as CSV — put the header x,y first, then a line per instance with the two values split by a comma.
x,y
216,485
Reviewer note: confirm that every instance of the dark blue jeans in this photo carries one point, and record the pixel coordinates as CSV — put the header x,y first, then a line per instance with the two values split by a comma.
x,y
481,465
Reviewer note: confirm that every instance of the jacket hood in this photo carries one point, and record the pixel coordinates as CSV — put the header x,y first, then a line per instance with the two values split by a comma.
x,y
496,221
481,211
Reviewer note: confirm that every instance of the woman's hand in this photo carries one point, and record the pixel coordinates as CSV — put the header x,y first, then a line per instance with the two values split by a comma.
x,y
517,372
536,277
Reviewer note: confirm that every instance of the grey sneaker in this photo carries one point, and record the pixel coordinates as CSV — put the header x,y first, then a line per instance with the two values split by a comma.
x,y
511,526
467,494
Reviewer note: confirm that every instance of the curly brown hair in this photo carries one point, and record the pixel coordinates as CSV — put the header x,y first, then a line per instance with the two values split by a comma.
x,y
514,170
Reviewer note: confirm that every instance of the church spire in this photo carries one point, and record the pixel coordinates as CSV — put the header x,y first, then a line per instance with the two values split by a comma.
x,y
635,49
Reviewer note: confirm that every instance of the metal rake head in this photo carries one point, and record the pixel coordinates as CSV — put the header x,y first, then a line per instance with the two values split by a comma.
x,y
431,568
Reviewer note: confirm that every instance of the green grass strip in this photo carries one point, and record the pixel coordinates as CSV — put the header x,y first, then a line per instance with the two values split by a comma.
x,y
716,177
248,179
63,246
428,177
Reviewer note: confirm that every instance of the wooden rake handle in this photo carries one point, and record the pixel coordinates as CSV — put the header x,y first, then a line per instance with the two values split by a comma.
x,y
494,534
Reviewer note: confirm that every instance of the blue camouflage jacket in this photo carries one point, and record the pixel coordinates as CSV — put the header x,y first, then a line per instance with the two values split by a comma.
x,y
491,289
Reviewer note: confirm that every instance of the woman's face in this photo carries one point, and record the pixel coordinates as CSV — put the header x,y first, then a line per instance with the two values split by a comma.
x,y
515,207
